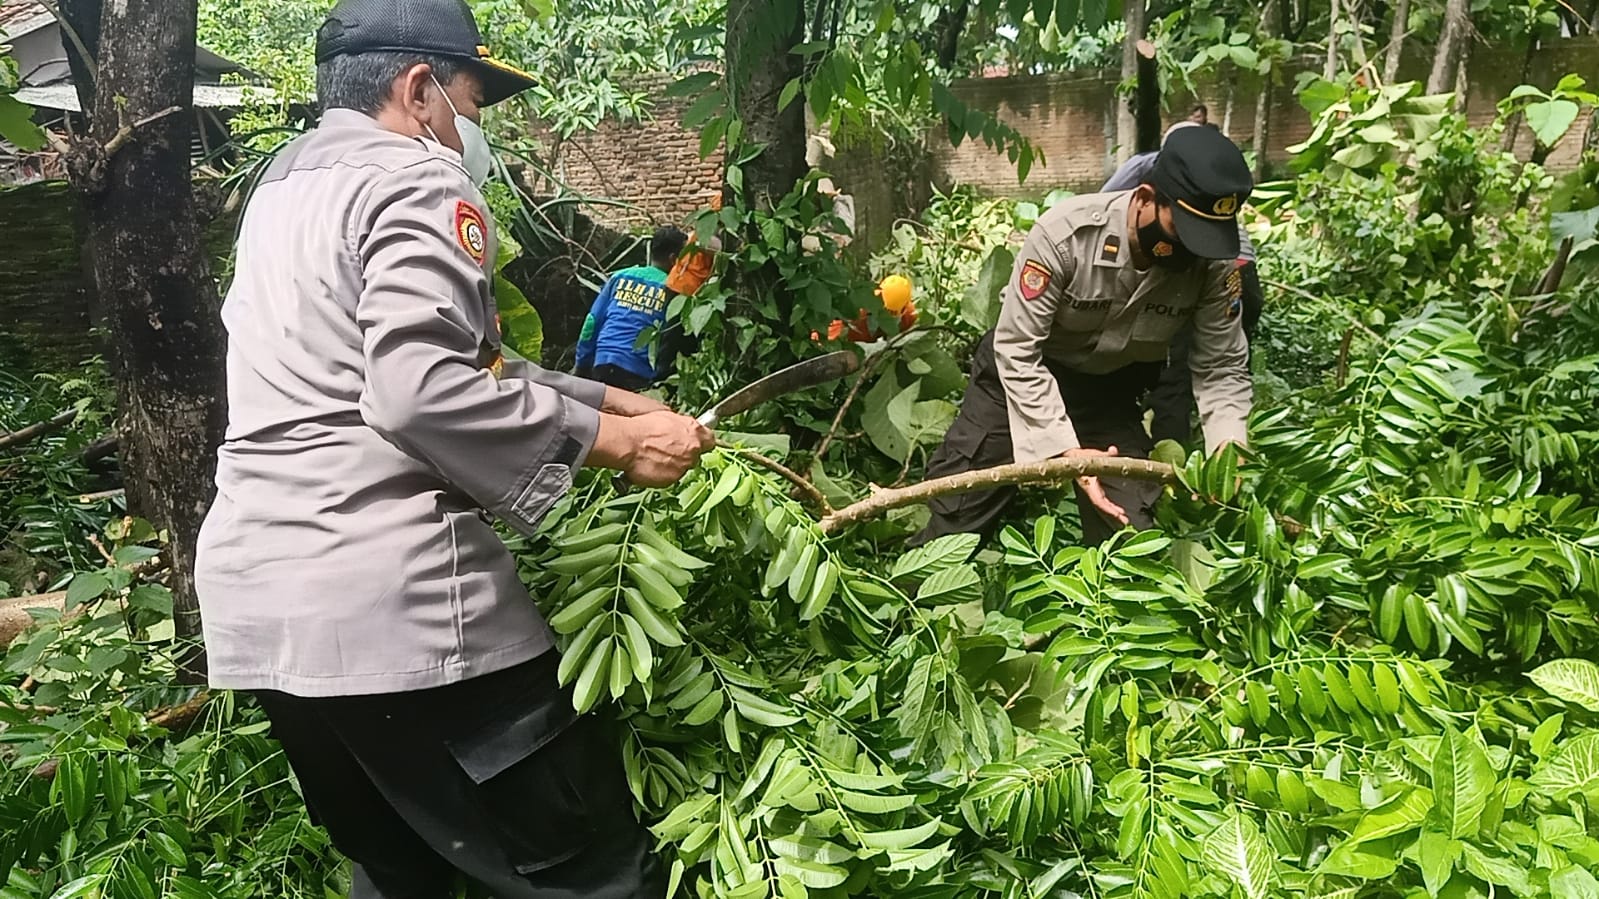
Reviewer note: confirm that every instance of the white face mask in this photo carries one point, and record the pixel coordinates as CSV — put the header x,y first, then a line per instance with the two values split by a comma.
x,y
476,156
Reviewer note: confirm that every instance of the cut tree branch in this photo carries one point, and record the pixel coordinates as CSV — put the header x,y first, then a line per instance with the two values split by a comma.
x,y
126,132
1050,471
806,487
38,429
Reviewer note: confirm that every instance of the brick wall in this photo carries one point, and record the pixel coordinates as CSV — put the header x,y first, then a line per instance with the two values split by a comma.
x,y
1072,118
654,165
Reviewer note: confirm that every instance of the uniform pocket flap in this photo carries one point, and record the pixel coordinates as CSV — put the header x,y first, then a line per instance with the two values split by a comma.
x,y
549,485
490,752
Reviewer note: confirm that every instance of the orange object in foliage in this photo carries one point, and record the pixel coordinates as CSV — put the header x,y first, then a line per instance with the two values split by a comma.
x,y
895,292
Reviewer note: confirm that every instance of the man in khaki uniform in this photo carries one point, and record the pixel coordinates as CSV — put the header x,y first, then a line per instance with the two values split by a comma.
x,y
1101,287
348,573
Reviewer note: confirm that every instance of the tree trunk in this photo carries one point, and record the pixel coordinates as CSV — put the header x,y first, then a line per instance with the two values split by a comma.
x,y
1513,122
1126,120
1462,86
1396,41
951,24
1146,106
1330,70
1268,27
1451,44
760,36
1358,48
152,272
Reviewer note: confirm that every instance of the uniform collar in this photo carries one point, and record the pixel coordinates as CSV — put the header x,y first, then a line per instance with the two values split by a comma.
x,y
348,118
351,118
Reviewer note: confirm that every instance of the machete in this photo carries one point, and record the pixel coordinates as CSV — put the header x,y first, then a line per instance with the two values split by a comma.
x,y
798,376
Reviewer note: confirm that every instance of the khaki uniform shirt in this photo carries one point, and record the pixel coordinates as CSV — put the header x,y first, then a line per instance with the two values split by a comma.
x,y
1076,298
370,421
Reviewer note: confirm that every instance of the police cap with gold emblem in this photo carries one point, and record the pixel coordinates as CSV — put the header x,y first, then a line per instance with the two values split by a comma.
x,y
1204,177
432,27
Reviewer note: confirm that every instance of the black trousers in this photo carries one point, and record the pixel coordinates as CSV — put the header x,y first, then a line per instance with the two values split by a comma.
x,y
495,778
1172,400
1105,411
619,377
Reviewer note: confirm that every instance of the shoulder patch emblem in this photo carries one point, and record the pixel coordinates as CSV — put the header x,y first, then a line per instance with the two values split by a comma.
x,y
471,232
1034,279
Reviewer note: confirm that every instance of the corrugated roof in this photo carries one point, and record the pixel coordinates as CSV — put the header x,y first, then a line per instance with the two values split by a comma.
x,y
206,96
21,12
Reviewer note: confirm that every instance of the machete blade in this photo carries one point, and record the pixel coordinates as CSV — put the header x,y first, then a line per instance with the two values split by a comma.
x,y
798,376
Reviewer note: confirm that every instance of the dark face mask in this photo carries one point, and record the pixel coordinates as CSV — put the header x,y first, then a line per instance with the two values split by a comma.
x,y
1162,247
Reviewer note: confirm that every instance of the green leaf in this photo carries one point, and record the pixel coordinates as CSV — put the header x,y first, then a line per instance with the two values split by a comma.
x,y
88,885
1573,882
1349,860
1572,680
870,804
89,585
1574,768
16,124
1436,855
790,91
899,839
813,874
1238,852
937,555
1498,870
802,847
521,326
951,586
167,848
592,682
1400,814
980,306
1550,120
1462,782
693,85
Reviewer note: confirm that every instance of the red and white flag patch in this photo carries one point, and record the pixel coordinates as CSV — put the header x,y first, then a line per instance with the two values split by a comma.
x,y
1034,280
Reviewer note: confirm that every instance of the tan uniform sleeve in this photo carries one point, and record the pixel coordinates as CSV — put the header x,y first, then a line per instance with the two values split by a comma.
x,y
589,393
1219,360
1039,427
513,444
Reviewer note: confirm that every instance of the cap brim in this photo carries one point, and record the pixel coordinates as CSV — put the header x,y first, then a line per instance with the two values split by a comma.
x,y
501,80
1206,238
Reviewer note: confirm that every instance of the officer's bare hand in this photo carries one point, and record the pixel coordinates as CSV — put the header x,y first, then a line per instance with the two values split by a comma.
x,y
1091,487
627,403
652,450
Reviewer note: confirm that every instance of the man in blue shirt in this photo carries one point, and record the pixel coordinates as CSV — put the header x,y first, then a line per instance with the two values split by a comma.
x,y
631,304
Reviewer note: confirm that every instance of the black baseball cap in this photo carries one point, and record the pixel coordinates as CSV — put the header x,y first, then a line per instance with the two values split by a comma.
x,y
1204,176
433,27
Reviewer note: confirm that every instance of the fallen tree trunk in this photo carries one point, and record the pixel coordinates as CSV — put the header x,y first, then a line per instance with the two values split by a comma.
x,y
1050,471
14,617
37,429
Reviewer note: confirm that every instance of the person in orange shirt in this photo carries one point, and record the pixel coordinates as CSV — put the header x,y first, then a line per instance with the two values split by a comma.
x,y
895,292
695,265
693,268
